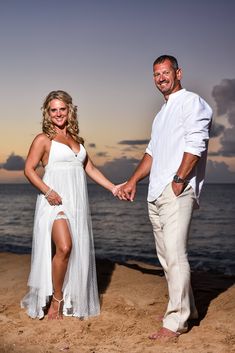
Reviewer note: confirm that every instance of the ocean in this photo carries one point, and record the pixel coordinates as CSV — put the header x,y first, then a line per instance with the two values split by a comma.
x,y
122,230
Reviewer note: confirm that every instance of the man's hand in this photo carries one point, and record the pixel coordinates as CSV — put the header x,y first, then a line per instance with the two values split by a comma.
x,y
127,192
178,188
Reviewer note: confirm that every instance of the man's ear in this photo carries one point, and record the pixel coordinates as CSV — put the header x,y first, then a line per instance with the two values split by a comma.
x,y
179,74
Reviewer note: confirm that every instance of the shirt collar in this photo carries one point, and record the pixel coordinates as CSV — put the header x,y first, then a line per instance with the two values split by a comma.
x,y
176,94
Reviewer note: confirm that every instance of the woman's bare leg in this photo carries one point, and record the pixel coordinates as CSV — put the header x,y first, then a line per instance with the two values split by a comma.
x,y
63,244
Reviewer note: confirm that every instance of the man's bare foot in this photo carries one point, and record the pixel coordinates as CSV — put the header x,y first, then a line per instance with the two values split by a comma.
x,y
159,317
163,333
56,309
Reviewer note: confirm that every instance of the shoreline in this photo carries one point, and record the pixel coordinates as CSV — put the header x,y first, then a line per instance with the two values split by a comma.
x,y
226,273
132,295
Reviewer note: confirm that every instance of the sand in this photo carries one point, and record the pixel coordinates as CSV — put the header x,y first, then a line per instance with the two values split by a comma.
x,y
132,295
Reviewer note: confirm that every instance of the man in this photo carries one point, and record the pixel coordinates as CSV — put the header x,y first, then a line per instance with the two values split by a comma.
x,y
175,159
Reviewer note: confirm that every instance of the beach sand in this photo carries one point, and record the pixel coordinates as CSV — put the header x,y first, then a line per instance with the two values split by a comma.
x,y
132,296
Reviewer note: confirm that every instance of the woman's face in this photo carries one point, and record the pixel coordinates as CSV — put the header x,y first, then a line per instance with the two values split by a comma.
x,y
58,112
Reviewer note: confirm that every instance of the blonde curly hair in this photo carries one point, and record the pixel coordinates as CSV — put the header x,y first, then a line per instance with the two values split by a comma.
x,y
72,123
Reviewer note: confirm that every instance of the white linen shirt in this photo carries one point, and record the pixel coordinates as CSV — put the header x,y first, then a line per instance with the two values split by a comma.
x,y
182,125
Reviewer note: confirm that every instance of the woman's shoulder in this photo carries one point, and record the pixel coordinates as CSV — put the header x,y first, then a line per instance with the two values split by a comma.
x,y
41,139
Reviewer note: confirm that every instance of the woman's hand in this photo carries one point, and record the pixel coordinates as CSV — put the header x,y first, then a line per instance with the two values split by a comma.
x,y
53,198
115,190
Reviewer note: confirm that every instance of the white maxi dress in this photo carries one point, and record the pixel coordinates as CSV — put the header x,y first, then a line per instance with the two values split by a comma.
x,y
65,174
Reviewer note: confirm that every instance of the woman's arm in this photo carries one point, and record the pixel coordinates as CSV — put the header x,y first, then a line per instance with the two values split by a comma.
x,y
96,175
35,155
40,146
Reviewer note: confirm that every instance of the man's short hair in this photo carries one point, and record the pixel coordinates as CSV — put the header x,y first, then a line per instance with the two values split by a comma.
x,y
172,59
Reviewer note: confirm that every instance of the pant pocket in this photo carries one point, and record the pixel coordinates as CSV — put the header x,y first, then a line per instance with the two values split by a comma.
x,y
185,190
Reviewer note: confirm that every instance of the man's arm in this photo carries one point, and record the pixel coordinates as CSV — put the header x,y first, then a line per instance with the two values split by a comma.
x,y
188,162
128,191
196,121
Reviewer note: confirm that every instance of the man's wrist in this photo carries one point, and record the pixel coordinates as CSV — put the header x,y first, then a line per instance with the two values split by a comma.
x,y
133,180
178,180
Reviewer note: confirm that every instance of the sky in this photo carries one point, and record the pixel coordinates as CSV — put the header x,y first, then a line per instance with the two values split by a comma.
x,y
101,53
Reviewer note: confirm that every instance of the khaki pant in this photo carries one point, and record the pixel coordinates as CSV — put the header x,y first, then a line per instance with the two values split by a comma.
x,y
170,216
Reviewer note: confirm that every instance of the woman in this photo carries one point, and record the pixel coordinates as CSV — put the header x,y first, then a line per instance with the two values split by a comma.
x,y
62,217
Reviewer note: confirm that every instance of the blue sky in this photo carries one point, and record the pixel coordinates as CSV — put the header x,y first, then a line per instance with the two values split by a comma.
x,y
101,52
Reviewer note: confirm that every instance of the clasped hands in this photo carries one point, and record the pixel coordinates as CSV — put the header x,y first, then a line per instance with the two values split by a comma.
x,y
125,191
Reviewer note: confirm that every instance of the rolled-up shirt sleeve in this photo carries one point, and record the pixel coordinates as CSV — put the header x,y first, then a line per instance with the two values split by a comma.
x,y
149,149
197,116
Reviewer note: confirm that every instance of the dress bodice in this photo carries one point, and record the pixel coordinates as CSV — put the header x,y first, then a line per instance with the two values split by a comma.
x,y
61,154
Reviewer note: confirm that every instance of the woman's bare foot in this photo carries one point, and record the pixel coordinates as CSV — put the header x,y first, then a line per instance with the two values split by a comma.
x,y
163,333
56,309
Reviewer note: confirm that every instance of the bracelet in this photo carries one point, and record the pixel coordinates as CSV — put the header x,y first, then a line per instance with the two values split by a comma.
x,y
48,193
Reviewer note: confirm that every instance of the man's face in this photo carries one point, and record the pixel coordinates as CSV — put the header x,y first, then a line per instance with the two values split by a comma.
x,y
166,78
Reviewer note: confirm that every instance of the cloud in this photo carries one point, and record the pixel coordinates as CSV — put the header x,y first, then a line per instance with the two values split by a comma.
x,y
128,149
218,172
228,143
102,154
119,169
214,154
133,142
92,145
14,162
111,147
224,95
216,129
